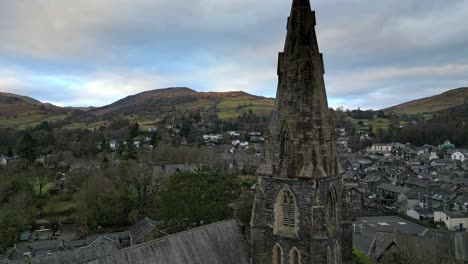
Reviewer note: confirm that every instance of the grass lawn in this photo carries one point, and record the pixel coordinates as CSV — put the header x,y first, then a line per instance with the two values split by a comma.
x,y
376,123
90,126
57,206
144,125
30,119
45,188
232,108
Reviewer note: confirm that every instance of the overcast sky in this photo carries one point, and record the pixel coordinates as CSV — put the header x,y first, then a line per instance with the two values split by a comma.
x,y
93,52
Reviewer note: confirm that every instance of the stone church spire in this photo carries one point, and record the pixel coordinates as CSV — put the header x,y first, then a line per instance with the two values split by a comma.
x,y
299,213
301,140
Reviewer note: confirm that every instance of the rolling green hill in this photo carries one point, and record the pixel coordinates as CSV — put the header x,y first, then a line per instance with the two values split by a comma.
x,y
453,98
148,107
145,108
18,111
177,101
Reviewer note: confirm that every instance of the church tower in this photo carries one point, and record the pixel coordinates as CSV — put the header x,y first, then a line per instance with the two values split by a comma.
x,y
299,214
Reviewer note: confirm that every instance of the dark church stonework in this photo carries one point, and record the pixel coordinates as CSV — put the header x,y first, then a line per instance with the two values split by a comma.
x,y
300,160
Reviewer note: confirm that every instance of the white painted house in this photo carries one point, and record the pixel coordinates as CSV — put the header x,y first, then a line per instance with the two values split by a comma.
x,y
454,220
459,154
3,161
233,134
420,213
113,144
381,148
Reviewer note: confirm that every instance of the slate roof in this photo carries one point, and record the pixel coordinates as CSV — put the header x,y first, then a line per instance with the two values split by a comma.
x,y
79,255
389,224
414,194
349,175
423,211
423,249
456,214
218,243
142,228
392,188
167,170
356,188
423,183
364,242
373,178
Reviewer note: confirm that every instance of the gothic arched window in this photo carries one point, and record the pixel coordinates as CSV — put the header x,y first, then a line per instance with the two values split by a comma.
x,y
331,211
294,256
286,214
277,254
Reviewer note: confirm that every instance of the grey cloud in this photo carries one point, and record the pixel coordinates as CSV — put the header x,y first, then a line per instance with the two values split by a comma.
x,y
371,47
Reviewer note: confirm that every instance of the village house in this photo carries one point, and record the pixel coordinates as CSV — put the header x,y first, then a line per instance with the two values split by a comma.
x,y
365,163
459,154
442,199
164,171
351,177
420,213
144,230
212,138
113,144
405,175
381,148
257,139
370,182
445,164
421,168
3,161
454,220
401,151
233,133
255,133
461,202
447,175
356,198
416,182
413,198
390,192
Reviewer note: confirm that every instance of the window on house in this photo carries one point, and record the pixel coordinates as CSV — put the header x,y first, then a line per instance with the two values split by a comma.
x,y
288,205
294,256
277,254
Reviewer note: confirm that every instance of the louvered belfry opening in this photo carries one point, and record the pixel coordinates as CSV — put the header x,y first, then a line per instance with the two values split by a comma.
x,y
289,209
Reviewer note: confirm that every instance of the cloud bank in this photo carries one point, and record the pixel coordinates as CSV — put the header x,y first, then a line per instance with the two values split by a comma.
x,y
92,52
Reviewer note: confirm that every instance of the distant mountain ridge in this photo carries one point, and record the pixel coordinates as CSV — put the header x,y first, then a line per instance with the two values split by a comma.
x,y
444,101
18,111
